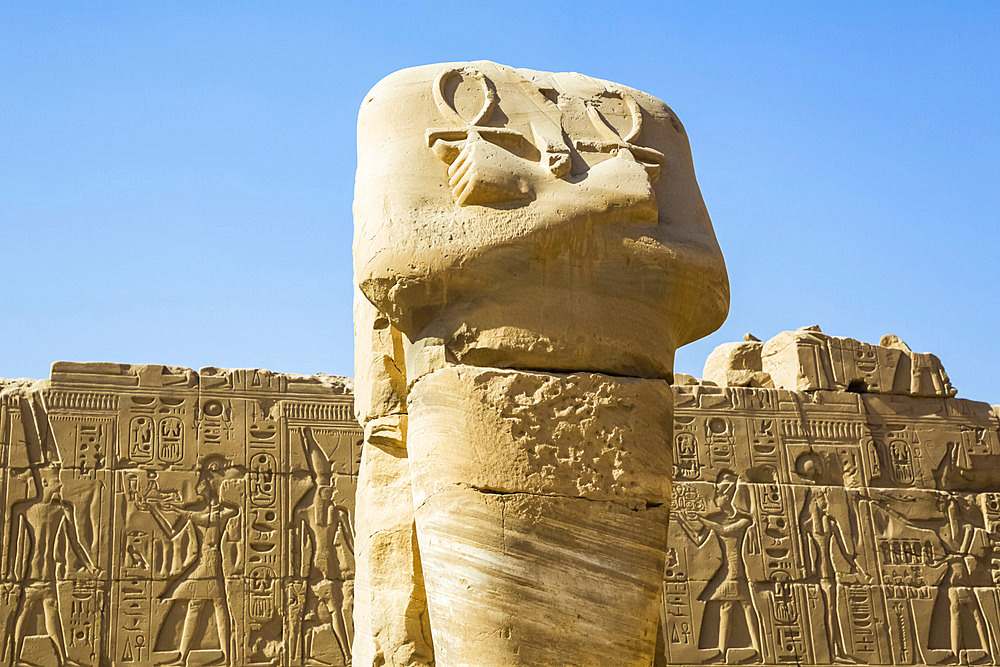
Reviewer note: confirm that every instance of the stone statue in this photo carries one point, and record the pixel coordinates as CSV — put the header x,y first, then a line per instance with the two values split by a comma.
x,y
530,249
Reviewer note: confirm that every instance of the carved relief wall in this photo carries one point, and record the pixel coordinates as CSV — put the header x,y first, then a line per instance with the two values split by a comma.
x,y
156,515
831,527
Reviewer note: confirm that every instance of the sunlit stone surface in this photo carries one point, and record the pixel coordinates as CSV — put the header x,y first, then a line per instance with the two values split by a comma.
x,y
815,525
811,527
530,249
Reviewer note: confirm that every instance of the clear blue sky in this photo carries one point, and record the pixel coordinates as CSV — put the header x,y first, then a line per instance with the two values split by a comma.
x,y
176,178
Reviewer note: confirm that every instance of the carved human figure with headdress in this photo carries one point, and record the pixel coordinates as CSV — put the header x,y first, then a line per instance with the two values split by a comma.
x,y
34,555
962,537
956,590
202,582
730,586
962,544
319,523
821,535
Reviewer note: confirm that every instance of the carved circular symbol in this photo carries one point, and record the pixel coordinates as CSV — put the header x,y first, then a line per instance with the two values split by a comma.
x,y
212,409
717,425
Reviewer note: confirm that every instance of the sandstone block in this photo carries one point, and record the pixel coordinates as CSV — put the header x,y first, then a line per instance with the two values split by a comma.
x,y
737,365
808,360
522,579
541,505
580,435
390,609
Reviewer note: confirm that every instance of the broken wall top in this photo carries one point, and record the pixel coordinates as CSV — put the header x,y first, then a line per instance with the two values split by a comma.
x,y
809,360
165,416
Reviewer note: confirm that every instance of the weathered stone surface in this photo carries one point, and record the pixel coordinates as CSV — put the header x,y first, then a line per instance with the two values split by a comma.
x,y
541,580
513,219
390,615
380,380
737,365
541,508
155,514
809,360
392,626
581,435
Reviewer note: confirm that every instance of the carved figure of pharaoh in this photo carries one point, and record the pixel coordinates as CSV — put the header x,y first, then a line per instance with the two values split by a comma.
x,y
530,249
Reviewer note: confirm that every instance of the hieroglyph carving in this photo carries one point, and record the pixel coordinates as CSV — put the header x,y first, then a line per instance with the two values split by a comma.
x,y
155,515
530,249
832,528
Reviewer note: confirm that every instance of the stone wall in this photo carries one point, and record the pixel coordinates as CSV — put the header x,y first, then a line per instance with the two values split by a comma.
x,y
846,527
824,526
155,514
809,526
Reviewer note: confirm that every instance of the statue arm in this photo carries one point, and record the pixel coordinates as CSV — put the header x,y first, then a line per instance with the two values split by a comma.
x,y
804,514
806,524
967,537
158,505
727,529
709,523
308,550
165,526
737,526
296,530
931,525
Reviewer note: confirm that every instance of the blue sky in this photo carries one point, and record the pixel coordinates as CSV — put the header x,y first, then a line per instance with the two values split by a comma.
x,y
176,178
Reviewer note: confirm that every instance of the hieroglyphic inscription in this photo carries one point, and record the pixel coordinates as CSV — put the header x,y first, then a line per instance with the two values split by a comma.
x,y
832,528
154,515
